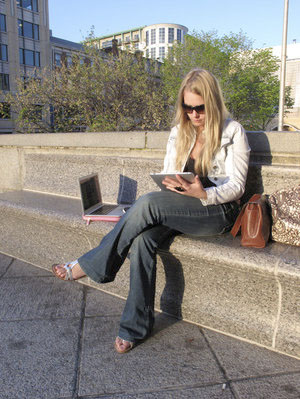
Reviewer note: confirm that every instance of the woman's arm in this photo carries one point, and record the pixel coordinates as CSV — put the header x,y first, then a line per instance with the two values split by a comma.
x,y
231,164
233,161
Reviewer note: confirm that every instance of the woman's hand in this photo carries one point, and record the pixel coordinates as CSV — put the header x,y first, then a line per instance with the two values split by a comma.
x,y
181,186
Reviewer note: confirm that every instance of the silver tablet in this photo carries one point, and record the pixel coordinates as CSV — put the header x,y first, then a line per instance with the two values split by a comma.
x,y
159,177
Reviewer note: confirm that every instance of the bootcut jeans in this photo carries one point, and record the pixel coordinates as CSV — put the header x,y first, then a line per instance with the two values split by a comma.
x,y
151,220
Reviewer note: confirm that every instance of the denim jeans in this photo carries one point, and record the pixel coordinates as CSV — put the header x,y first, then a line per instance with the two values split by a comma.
x,y
146,225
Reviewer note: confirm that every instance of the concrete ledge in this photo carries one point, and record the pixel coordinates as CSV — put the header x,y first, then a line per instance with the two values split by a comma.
x,y
260,142
82,140
250,294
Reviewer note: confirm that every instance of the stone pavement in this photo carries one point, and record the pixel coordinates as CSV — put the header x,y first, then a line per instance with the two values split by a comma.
x,y
57,342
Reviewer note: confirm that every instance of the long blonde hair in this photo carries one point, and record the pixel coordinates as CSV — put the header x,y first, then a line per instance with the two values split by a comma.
x,y
203,83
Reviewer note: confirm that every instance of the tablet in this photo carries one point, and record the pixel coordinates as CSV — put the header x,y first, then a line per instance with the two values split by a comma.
x,y
159,177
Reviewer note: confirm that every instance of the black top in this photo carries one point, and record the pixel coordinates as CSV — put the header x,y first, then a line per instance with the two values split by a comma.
x,y
190,167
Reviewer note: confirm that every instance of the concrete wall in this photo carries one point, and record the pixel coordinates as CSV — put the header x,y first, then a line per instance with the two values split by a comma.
x,y
26,158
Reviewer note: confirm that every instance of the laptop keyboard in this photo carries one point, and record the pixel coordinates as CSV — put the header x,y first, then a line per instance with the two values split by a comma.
x,y
104,210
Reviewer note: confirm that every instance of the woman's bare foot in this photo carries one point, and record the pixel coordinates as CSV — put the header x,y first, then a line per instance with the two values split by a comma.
x,y
68,271
123,346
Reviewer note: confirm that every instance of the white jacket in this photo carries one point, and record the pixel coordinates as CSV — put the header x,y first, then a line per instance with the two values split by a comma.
x,y
229,166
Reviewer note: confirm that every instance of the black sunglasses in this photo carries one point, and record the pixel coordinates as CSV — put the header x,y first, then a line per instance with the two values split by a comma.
x,y
199,108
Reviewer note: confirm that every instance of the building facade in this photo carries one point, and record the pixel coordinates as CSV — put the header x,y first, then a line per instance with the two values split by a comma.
x,y
62,51
153,41
24,46
292,118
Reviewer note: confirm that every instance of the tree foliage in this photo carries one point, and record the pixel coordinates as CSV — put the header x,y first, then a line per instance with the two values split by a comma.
x,y
107,92
103,93
252,88
247,77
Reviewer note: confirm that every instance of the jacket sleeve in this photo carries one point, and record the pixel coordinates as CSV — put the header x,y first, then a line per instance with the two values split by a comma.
x,y
234,161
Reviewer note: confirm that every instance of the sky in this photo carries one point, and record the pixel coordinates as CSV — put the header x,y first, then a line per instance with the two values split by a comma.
x,y
260,20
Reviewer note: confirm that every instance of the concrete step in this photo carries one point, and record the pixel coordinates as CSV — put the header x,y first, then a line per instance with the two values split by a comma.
x,y
247,293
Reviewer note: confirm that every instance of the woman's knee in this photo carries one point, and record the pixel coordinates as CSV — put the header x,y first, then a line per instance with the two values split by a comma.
x,y
146,240
147,199
145,204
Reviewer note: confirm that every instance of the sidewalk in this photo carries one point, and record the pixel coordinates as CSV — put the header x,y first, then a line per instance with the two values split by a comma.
x,y
57,342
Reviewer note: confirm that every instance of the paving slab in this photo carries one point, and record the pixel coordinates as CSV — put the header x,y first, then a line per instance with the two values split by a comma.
x,y
275,387
98,303
39,297
18,268
249,361
38,358
5,262
57,342
156,364
208,392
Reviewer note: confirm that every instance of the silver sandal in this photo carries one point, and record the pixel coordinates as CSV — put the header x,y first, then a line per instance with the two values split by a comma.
x,y
68,267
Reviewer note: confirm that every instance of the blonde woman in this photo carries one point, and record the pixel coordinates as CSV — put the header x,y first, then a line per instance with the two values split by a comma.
x,y
205,141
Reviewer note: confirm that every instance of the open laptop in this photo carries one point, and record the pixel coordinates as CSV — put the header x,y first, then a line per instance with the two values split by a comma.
x,y
92,206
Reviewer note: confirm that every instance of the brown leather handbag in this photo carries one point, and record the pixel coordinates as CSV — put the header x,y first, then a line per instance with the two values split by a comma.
x,y
254,221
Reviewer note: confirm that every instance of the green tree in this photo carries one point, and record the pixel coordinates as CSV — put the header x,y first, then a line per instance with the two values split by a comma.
x,y
98,92
247,77
201,50
252,88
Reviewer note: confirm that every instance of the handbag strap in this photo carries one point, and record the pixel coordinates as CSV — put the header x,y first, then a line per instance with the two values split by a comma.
x,y
254,198
238,221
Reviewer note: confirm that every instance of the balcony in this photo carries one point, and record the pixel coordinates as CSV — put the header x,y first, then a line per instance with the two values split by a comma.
x,y
107,44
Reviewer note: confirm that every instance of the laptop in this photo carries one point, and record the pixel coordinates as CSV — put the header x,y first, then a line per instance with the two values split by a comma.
x,y
93,209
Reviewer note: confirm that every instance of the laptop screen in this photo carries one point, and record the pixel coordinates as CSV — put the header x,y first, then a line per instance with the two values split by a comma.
x,y
90,192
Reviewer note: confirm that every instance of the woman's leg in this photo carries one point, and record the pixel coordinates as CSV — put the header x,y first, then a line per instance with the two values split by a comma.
x,y
138,315
185,214
143,227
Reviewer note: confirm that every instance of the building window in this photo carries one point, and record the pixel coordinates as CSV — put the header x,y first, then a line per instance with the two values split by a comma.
x,y
162,53
57,59
27,29
153,36
29,57
3,52
161,35
62,59
136,46
147,38
170,35
136,37
107,44
4,81
31,5
69,60
147,53
2,23
153,52
36,32
5,111
179,35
